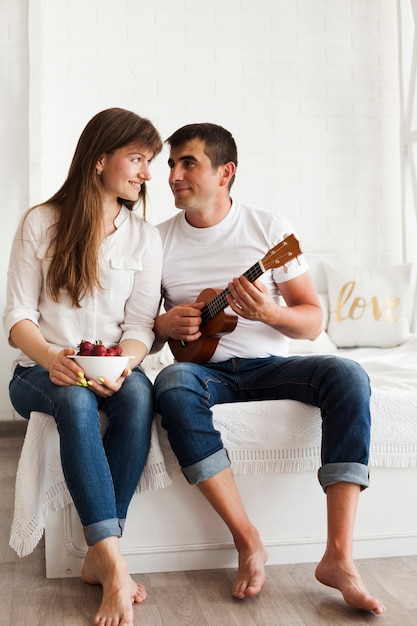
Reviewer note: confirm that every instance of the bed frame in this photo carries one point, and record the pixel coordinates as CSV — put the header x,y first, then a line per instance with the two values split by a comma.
x,y
174,529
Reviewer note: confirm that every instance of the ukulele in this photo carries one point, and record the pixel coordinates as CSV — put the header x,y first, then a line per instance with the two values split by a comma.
x,y
214,322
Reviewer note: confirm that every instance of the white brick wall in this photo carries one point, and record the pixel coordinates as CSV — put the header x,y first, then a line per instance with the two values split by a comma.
x,y
14,155
309,90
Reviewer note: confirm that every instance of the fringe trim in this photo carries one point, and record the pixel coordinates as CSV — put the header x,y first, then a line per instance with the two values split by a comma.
x,y
393,455
154,478
24,539
242,468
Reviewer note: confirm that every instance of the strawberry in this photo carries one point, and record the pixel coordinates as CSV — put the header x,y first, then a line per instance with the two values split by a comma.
x,y
87,348
84,348
99,349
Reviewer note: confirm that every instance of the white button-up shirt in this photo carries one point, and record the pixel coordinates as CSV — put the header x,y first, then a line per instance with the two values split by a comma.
x,y
125,307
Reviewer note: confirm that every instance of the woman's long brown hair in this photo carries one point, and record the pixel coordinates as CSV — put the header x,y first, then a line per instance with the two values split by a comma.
x,y
76,237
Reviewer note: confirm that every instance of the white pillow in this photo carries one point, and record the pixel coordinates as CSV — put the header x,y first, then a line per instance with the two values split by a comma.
x,y
368,307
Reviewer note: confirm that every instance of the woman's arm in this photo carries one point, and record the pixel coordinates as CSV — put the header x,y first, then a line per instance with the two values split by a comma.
x,y
134,348
26,336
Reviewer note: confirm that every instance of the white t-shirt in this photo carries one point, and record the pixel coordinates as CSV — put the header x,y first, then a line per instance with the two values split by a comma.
x,y
200,258
130,272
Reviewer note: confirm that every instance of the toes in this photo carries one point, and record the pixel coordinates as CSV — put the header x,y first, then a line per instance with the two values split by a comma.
x,y
245,589
240,595
253,590
139,594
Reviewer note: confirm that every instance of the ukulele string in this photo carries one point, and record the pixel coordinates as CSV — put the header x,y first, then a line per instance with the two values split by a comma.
x,y
219,302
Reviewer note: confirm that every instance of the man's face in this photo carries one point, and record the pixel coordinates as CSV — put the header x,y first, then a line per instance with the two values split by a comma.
x,y
193,181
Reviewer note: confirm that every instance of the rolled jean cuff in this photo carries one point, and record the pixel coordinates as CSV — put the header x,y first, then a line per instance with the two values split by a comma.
x,y
208,467
101,530
355,473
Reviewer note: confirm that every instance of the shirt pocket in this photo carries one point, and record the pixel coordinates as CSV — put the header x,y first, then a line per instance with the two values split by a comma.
x,y
122,276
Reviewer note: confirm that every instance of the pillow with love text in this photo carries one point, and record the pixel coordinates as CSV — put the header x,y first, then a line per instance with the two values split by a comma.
x,y
368,307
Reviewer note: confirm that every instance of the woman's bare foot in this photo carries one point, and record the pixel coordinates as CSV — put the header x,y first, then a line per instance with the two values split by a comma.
x,y
251,571
104,565
345,577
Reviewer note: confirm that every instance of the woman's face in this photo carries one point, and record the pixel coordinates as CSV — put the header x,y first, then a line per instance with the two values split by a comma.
x,y
123,172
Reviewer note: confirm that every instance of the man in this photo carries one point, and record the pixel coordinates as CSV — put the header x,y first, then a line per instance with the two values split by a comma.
x,y
213,239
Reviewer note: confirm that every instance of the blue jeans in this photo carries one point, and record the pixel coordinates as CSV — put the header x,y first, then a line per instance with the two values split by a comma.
x,y
101,473
185,393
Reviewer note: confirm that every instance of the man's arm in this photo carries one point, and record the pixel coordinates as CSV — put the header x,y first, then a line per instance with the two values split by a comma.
x,y
302,316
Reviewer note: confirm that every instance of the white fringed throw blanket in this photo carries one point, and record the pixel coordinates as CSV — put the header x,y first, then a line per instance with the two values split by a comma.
x,y
261,438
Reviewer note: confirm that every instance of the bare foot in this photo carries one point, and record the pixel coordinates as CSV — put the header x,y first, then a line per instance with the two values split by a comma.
x,y
120,591
345,577
251,571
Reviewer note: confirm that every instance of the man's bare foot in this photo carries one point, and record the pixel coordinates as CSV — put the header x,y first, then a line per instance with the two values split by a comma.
x,y
251,572
345,577
221,491
120,591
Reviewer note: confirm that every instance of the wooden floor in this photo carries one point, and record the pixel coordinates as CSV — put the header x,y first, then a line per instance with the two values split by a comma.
x,y
292,596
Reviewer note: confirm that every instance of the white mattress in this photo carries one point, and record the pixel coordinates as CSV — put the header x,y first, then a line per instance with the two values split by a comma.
x,y
261,437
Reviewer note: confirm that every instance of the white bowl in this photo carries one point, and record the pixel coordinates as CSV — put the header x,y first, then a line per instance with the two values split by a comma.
x,y
95,367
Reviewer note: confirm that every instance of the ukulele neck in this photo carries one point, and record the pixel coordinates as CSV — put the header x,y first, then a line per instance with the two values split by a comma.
x,y
219,302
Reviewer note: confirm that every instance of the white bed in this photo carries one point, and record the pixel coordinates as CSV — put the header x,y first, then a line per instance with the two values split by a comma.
x,y
275,452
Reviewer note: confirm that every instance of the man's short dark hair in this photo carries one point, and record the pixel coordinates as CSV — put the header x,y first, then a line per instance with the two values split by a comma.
x,y
220,146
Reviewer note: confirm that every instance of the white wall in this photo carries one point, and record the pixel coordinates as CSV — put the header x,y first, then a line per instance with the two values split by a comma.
x,y
308,88
14,154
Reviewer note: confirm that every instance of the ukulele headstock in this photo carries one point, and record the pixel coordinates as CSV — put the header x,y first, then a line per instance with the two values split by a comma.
x,y
285,251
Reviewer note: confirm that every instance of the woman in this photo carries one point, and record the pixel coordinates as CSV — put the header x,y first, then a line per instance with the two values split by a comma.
x,y
84,265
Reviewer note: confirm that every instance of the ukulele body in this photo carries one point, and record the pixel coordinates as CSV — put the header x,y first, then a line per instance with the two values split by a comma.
x,y
201,350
